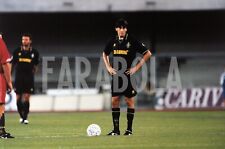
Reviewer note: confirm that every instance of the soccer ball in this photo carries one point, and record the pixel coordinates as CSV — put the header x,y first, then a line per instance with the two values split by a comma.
x,y
93,130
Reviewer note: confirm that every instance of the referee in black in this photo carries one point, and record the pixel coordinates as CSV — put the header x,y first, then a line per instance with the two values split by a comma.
x,y
123,48
25,61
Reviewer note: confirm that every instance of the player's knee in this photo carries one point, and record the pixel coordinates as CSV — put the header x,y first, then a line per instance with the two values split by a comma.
x,y
115,101
18,97
130,103
26,97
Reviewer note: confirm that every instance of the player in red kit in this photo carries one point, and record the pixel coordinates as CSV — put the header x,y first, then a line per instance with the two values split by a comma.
x,y
5,85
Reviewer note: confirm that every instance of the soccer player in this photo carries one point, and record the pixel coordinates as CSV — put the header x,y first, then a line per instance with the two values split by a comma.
x,y
5,84
123,48
25,60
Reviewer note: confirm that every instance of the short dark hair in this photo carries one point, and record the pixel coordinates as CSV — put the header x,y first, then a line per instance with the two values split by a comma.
x,y
27,35
121,23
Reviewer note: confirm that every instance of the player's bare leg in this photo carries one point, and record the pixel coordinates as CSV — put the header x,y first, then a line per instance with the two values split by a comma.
x,y
115,102
130,114
115,116
26,97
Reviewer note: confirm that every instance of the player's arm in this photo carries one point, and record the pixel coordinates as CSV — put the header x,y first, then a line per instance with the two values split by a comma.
x,y
145,57
7,74
109,68
36,62
14,60
35,69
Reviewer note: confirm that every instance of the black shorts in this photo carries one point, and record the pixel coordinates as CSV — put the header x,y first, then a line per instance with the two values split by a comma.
x,y
24,83
123,86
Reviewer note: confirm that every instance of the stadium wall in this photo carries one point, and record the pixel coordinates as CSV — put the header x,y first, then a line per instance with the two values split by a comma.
x,y
194,98
108,5
64,103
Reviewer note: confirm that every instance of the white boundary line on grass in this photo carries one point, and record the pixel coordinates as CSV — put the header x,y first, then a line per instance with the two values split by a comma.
x,y
56,136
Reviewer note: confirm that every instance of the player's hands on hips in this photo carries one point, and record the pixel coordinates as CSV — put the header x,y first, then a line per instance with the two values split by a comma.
x,y
131,71
111,70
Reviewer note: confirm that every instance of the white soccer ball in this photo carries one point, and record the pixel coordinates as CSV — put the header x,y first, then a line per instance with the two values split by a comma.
x,y
93,130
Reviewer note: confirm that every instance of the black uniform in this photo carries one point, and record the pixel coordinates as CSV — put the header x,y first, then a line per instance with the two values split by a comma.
x,y
125,49
24,62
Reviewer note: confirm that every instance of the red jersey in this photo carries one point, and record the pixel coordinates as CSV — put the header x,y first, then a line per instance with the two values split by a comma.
x,y
4,58
4,54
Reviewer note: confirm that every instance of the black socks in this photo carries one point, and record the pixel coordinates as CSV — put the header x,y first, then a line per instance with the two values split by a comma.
x,y
130,117
19,104
26,109
2,123
116,118
23,108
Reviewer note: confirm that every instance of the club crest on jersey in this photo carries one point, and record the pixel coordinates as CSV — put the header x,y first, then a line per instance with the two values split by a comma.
x,y
32,55
19,54
128,45
114,45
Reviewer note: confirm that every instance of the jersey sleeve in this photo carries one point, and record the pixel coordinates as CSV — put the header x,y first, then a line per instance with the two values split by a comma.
x,y
36,58
4,54
108,48
139,47
15,56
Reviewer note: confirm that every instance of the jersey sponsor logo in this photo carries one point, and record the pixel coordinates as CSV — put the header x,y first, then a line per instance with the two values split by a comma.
x,y
26,60
120,52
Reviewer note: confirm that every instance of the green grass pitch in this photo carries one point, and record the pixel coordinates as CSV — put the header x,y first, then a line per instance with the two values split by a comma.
x,y
152,130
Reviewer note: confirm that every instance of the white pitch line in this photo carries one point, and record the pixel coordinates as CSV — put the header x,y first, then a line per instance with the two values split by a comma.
x,y
53,136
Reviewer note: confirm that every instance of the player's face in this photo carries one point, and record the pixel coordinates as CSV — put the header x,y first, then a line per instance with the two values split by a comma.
x,y
26,41
121,31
